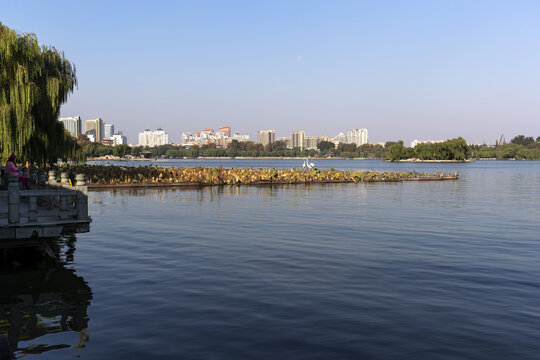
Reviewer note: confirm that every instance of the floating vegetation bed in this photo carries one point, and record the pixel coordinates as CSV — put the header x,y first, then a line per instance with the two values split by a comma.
x,y
107,176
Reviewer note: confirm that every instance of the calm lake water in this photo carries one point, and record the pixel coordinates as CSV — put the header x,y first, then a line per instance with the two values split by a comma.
x,y
412,270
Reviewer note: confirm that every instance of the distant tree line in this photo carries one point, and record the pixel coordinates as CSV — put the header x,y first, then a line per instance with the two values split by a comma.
x,y
520,148
453,149
234,149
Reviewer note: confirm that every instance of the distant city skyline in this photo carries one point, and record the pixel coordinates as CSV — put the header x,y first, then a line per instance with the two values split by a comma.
x,y
404,70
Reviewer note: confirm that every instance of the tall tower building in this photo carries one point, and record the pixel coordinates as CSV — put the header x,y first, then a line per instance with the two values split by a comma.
x,y
266,137
357,136
94,127
72,125
108,131
298,139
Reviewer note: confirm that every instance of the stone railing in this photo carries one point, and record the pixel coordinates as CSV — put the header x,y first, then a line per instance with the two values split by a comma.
x,y
46,200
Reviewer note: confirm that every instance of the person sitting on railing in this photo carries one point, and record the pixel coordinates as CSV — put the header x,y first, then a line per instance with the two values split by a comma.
x,y
12,169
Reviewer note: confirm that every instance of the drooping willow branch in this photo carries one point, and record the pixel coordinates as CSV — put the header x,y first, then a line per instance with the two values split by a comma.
x,y
34,82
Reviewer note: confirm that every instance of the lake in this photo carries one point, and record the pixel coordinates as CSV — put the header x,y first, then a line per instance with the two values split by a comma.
x,y
411,270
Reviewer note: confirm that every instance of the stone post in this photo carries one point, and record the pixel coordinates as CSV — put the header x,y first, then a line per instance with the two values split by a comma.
x,y
64,180
80,182
52,177
81,199
33,177
42,177
14,199
63,206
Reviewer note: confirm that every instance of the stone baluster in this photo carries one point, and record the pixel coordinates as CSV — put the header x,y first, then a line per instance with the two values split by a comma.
x,y
64,180
33,177
81,199
14,199
51,200
42,177
52,177
80,182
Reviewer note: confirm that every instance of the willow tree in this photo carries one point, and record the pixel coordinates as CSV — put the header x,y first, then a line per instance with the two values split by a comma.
x,y
34,82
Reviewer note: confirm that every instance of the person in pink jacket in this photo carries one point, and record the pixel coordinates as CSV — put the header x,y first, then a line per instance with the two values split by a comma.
x,y
12,169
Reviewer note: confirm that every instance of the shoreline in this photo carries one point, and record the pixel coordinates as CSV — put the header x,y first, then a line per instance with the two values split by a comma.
x,y
105,158
110,158
436,161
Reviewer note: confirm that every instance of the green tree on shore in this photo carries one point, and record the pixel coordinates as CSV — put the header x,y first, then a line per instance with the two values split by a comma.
x,y
325,146
34,81
522,140
397,151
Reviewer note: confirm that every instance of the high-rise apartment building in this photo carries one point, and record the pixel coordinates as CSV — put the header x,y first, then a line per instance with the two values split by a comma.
x,y
298,139
108,130
207,136
72,125
266,137
226,130
286,140
339,138
313,141
357,136
153,138
118,139
94,127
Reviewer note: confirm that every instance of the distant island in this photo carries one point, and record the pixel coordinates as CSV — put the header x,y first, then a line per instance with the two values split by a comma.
x,y
105,176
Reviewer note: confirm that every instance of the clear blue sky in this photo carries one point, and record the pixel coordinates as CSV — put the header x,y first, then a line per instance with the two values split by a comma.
x,y
402,69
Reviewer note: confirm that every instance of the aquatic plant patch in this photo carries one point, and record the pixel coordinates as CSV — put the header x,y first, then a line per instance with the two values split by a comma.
x,y
101,174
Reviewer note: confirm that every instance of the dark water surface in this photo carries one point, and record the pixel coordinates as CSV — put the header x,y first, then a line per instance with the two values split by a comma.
x,y
413,270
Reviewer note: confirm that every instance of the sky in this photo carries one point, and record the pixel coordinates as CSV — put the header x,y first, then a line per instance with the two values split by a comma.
x,y
406,70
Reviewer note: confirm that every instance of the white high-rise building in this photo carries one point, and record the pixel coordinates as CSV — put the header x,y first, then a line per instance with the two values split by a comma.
x,y
357,136
108,131
118,139
153,138
339,138
207,136
72,125
188,139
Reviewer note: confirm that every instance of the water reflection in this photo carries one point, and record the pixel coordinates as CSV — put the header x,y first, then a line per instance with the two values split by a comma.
x,y
44,298
212,193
